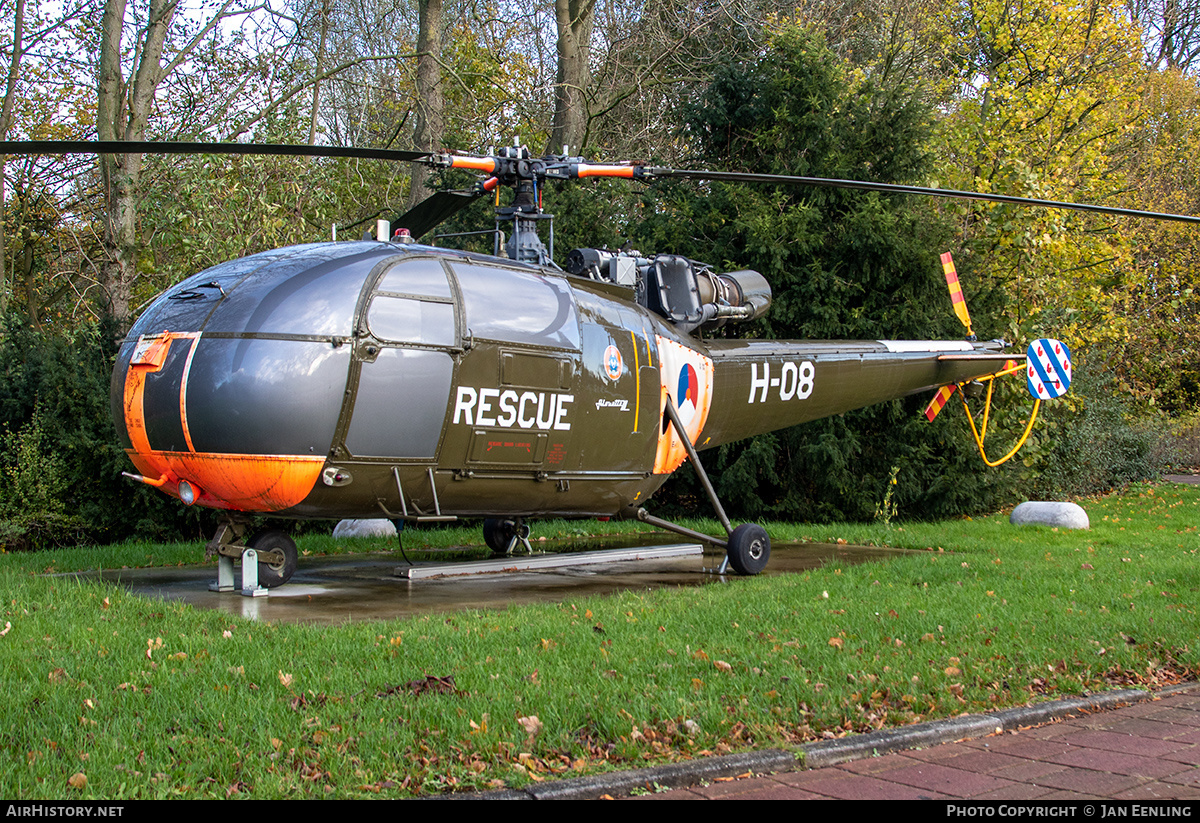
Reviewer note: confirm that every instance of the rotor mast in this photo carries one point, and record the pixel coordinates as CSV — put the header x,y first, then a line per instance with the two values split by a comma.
x,y
514,167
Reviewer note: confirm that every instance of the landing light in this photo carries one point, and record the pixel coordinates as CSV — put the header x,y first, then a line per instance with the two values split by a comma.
x,y
188,493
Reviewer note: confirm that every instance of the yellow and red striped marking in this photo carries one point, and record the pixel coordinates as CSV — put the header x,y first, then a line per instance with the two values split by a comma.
x,y
938,402
956,292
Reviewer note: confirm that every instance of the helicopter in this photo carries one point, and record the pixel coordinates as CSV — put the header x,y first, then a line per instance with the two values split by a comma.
x,y
387,377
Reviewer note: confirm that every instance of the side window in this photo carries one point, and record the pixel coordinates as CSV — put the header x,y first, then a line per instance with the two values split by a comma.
x,y
517,306
419,277
412,304
405,320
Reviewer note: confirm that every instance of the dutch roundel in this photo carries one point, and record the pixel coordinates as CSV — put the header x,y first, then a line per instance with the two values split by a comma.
x,y
1048,370
687,394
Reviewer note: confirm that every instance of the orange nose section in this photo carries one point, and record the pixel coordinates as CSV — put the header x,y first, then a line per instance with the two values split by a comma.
x,y
240,482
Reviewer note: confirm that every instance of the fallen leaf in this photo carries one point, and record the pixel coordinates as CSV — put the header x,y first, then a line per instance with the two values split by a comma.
x,y
77,780
285,679
723,666
836,642
530,724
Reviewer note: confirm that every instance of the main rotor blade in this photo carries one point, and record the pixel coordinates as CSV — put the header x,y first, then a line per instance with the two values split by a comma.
x,y
439,206
56,147
790,180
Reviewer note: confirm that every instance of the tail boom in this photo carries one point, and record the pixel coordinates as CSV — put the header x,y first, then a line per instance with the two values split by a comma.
x,y
765,385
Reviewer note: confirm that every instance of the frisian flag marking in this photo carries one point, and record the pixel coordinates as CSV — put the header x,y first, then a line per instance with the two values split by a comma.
x,y
1048,374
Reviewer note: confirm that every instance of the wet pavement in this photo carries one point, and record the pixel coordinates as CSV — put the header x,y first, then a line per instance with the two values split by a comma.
x,y
349,587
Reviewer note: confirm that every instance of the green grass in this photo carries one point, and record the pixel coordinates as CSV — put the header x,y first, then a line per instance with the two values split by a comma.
x,y
109,695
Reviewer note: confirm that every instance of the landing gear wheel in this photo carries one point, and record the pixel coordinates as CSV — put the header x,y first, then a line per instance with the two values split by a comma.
x,y
749,549
503,536
498,534
276,558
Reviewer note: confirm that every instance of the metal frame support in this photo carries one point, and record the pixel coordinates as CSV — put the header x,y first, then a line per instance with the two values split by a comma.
x,y
520,535
224,575
250,587
228,544
227,578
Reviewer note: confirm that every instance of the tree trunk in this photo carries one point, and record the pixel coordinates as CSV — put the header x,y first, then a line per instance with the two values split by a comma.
x,y
6,118
574,19
316,91
430,125
122,111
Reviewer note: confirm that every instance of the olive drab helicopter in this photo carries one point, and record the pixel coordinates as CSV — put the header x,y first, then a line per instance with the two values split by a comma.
x,y
386,377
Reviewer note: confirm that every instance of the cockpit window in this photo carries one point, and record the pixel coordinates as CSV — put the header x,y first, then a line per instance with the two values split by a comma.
x,y
421,277
413,305
518,306
405,320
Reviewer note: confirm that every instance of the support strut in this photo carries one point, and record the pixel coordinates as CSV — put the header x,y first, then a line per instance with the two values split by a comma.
x,y
748,547
673,415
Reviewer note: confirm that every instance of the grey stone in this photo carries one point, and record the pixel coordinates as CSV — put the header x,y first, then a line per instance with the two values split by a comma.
x,y
1045,513
365,528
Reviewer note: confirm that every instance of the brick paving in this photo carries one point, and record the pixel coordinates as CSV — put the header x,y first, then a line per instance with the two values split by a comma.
x,y
1145,751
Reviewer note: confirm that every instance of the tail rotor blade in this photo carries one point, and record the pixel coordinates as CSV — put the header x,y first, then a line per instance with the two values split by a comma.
x,y
956,294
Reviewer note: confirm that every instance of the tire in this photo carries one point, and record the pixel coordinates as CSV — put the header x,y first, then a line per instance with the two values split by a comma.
x,y
271,546
497,534
749,549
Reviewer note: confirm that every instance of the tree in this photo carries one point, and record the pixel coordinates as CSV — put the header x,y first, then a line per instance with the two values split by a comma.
x,y
574,19
842,265
169,51
1044,95
1159,294
124,104
16,51
430,102
1170,31
41,100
